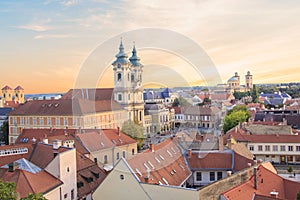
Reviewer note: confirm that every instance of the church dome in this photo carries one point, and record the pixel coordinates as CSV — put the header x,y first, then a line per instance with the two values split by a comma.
x,y
233,79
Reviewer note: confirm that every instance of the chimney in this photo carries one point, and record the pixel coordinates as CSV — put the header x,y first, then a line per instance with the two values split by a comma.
x,y
33,140
229,173
274,194
152,147
255,177
56,144
190,152
118,130
220,141
12,166
45,140
147,175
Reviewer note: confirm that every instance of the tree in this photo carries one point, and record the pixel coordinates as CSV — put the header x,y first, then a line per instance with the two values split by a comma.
x,y
31,196
7,190
4,132
290,169
298,195
238,114
133,130
254,94
180,101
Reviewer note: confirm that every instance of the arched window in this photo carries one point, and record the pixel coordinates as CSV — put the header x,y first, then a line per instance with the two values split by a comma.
x,y
119,76
119,97
132,77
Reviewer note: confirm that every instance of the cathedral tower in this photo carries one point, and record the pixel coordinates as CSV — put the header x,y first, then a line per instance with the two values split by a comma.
x,y
19,94
7,94
248,80
128,88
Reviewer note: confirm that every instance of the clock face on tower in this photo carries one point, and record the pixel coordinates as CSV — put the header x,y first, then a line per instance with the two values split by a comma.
x,y
119,65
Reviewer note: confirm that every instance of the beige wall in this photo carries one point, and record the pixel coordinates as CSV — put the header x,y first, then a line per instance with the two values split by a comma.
x,y
112,154
63,167
113,187
53,194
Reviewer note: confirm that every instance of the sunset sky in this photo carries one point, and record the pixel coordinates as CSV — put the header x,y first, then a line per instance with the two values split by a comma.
x,y
45,44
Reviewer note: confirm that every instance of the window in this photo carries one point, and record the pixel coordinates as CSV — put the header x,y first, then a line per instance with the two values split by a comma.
x,y
251,148
118,156
105,159
290,148
119,76
275,148
132,78
297,148
14,120
124,153
282,148
27,121
41,121
66,195
219,175
75,121
21,120
128,96
57,121
72,194
260,147
212,176
49,120
119,97
122,177
65,121
132,151
198,176
34,121
267,148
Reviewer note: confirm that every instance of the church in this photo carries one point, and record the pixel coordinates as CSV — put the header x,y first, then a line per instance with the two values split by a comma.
x,y
234,83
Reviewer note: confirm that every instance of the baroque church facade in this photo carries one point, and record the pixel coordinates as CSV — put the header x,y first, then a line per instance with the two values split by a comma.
x,y
128,87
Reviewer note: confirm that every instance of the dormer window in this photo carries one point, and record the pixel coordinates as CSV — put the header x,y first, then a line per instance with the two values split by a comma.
x,y
119,65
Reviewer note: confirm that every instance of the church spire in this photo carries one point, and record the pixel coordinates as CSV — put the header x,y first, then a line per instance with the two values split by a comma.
x,y
134,59
121,56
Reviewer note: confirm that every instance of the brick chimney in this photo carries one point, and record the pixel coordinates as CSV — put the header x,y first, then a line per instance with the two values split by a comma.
x,y
12,166
220,141
118,131
152,149
190,152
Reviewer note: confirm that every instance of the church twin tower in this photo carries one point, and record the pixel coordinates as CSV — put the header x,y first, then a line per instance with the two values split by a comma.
x,y
128,88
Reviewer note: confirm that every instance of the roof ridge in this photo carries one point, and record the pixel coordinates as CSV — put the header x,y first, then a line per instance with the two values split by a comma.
x,y
24,173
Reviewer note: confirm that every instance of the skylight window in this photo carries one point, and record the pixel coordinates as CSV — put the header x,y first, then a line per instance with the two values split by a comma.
x,y
165,180
173,150
157,159
102,144
161,157
151,165
138,171
121,141
169,153
146,166
114,141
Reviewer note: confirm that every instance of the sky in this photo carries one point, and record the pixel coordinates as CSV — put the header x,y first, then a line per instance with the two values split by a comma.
x,y
44,45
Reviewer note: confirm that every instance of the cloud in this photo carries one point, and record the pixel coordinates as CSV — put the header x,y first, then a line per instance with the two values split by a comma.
x,y
70,2
45,36
34,27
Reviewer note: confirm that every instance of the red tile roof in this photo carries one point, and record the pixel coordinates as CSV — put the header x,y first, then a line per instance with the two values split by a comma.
x,y
200,110
43,154
65,107
8,158
19,88
166,164
11,104
242,136
94,94
6,88
27,182
218,160
51,134
268,181
88,169
105,138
